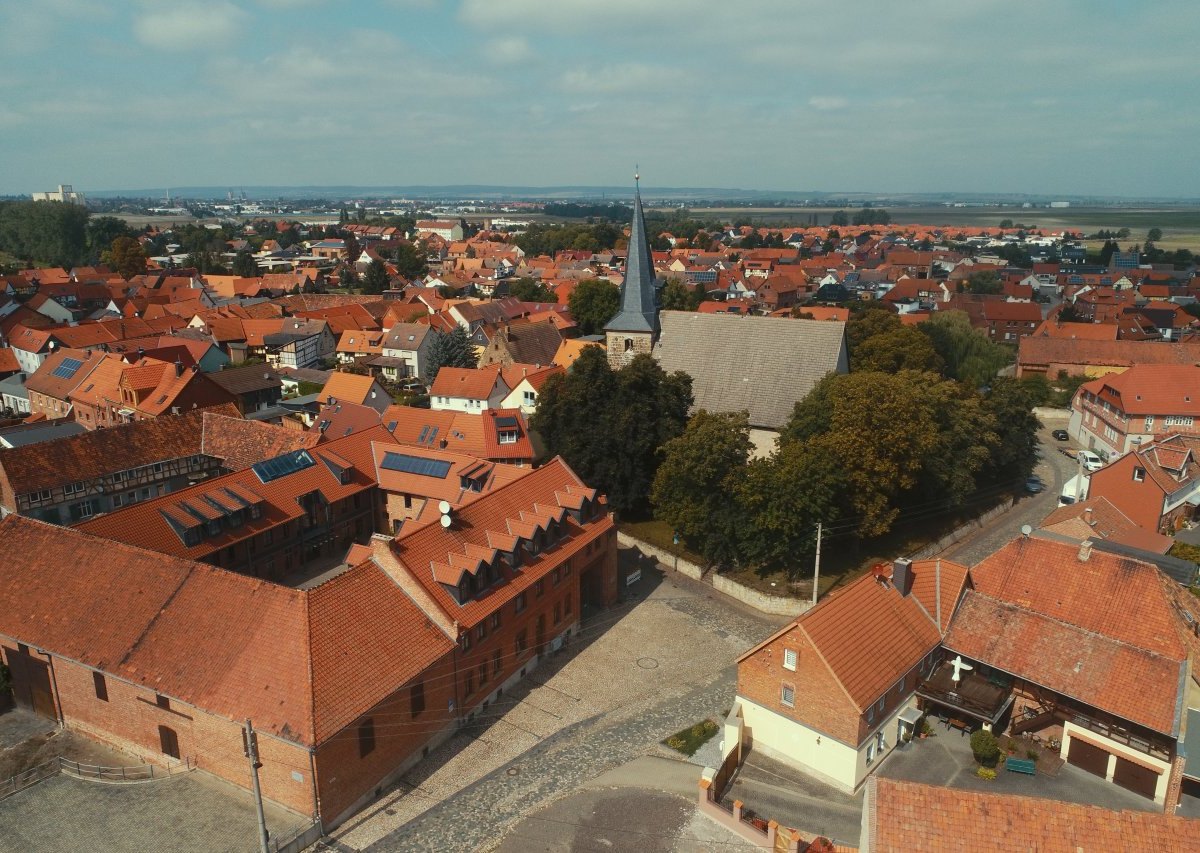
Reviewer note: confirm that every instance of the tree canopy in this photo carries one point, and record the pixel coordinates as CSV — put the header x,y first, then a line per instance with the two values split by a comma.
x,y
410,260
984,283
529,290
610,426
676,296
593,303
126,257
449,349
244,265
375,279
47,232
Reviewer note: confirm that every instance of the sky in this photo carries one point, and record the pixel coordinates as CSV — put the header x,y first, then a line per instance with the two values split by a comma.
x,y
1058,97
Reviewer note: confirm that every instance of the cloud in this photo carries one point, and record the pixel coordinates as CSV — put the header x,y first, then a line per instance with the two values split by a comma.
x,y
828,102
508,50
191,24
626,77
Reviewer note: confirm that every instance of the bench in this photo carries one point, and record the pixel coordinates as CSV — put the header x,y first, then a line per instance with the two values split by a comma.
x,y
962,725
1021,765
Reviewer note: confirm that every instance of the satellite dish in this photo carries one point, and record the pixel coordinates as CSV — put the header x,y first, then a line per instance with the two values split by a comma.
x,y
1026,530
444,507
445,521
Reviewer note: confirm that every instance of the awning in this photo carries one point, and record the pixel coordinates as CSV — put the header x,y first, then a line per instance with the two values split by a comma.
x,y
910,715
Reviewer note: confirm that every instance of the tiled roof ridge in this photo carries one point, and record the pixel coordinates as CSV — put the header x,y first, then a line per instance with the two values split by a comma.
x,y
1010,605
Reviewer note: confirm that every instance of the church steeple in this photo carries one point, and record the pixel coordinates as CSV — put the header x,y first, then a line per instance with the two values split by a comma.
x,y
635,328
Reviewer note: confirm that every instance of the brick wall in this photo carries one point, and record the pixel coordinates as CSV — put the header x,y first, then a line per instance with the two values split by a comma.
x,y
618,356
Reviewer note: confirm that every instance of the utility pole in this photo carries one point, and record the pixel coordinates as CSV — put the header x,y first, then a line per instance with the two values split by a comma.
x,y
1078,475
817,566
250,746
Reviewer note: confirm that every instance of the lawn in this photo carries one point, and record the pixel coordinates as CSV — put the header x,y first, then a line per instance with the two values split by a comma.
x,y
659,534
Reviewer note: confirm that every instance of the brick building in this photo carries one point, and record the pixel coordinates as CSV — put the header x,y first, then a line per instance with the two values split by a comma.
x,y
348,681
1157,485
1119,412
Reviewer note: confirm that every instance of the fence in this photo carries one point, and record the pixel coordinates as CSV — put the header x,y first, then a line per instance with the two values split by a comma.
x,y
112,775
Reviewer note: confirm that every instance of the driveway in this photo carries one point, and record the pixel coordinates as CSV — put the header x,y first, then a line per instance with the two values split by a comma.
x,y
662,660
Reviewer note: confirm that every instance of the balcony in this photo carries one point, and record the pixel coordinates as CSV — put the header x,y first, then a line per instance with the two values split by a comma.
x,y
974,695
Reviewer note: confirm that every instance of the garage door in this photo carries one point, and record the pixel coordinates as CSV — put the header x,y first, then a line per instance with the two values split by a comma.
x,y
1135,777
1087,757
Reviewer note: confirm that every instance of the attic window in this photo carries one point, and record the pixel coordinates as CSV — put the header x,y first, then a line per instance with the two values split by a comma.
x,y
1139,474
789,659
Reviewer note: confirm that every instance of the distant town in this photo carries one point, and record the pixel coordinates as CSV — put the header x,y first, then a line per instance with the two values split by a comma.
x,y
688,520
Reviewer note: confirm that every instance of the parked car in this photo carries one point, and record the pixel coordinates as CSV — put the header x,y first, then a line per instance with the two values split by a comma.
x,y
1066,500
1034,485
1061,435
1091,462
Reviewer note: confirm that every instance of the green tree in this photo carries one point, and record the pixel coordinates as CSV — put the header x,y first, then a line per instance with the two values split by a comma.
x,y
676,296
46,232
449,349
347,276
902,348
696,485
610,425
244,265
839,218
867,320
531,290
1010,402
411,261
593,303
101,232
376,280
126,257
1154,235
1006,223
984,283
967,353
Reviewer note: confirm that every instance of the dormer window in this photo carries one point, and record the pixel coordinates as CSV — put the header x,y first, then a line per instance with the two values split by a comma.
x,y
212,528
1139,474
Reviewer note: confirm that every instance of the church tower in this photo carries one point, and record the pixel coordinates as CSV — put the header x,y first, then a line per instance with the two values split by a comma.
x,y
635,328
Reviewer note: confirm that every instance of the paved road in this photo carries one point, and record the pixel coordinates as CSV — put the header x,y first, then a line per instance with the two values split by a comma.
x,y
658,664
1054,469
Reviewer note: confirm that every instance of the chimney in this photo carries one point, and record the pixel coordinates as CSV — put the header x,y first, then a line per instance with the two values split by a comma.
x,y
902,575
1085,550
1087,516
178,367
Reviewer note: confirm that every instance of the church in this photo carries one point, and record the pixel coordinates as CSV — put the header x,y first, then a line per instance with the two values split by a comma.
x,y
635,328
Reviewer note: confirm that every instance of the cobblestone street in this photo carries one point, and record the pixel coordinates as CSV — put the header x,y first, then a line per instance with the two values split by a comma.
x,y
641,671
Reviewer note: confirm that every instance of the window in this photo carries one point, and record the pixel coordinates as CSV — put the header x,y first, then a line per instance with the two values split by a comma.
x,y
879,706
557,612
530,398
496,621
162,702
1149,425
870,716
117,500
539,588
480,632
1178,420
566,568
787,695
508,436
470,686
521,601
567,604
1139,474
82,510
556,577
74,489
496,662
465,640
870,752
521,642
483,675
100,686
416,698
629,345
789,659
366,737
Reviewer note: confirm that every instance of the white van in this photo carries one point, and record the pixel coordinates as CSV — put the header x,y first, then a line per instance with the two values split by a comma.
x,y
1091,462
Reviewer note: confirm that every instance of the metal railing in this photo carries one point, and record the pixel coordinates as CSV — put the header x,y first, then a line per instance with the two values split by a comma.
x,y
97,772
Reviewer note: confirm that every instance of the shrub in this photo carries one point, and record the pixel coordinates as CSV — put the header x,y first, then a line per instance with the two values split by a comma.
x,y
1032,754
985,747
985,773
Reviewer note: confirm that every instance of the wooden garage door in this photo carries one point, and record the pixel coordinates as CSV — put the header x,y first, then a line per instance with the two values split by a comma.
x,y
1087,757
31,683
1135,777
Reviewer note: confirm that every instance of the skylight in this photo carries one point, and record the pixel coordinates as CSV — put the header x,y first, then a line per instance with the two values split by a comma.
x,y
415,465
281,466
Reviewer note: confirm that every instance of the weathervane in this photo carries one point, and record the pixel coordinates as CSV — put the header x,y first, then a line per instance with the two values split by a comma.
x,y
636,176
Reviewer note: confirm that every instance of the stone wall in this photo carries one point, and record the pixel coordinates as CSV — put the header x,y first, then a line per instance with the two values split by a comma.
x,y
685,567
777,605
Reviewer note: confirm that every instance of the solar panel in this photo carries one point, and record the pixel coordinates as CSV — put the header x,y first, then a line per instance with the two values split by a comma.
x,y
281,466
506,422
391,427
67,369
415,465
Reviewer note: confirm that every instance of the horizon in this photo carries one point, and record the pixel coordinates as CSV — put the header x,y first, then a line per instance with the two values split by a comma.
x,y
1070,101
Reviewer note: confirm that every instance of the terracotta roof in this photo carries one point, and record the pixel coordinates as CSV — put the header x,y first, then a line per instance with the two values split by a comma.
x,y
242,380
240,443
1052,328
146,524
342,419
448,486
907,816
56,380
1097,518
569,350
99,453
532,343
8,361
465,383
301,664
1045,350
434,555
869,635
1151,389
348,387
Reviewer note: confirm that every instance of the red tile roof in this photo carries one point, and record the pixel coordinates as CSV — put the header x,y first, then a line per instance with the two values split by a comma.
x,y
907,816
465,383
1151,389
240,443
1098,518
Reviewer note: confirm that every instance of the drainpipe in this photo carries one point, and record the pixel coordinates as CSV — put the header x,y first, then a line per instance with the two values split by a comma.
x,y
312,768
59,717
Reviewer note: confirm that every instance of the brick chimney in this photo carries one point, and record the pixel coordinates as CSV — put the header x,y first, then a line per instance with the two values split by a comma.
x,y
1085,550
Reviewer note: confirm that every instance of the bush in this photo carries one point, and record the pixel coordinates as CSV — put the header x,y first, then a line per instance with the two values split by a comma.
x,y
1032,754
986,773
985,747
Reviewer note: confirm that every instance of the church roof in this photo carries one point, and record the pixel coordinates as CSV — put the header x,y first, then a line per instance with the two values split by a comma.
x,y
639,302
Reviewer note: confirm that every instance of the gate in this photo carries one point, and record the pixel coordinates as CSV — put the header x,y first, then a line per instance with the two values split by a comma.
x,y
1135,777
31,683
1087,757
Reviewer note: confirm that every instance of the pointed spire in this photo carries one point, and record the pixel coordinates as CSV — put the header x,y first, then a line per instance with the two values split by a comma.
x,y
639,303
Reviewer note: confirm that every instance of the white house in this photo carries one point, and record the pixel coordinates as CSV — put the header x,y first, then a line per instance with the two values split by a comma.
x,y
524,393
459,389
410,343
